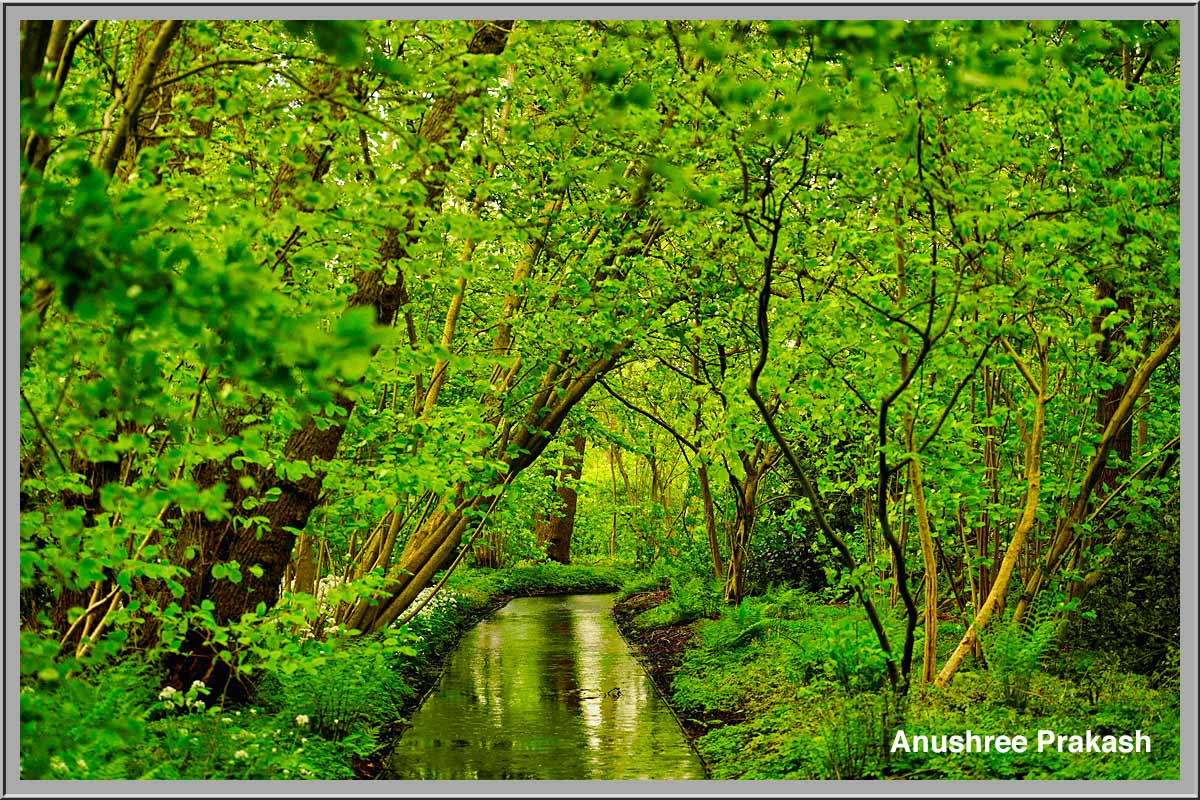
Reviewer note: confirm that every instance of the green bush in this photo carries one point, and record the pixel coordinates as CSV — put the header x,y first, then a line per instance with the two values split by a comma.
x,y
353,688
639,583
856,734
1015,653
122,723
690,600
74,728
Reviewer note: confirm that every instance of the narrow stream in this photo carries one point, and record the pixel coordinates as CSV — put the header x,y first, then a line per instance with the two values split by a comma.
x,y
545,688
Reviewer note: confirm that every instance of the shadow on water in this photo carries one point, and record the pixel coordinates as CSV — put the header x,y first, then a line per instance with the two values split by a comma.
x,y
546,688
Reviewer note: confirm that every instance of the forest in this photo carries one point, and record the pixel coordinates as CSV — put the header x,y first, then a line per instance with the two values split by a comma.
x,y
843,354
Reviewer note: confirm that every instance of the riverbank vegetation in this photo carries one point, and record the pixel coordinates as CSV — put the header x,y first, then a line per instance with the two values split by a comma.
x,y
326,710
788,686
852,345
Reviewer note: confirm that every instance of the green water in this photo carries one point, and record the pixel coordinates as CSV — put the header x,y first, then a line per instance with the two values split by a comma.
x,y
545,689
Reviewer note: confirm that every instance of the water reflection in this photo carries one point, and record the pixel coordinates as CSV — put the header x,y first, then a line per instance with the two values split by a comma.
x,y
545,689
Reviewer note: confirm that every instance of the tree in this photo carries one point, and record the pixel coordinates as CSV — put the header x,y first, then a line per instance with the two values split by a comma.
x,y
303,305
554,529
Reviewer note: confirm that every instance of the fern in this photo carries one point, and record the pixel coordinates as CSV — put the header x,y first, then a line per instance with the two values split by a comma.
x,y
1016,652
737,626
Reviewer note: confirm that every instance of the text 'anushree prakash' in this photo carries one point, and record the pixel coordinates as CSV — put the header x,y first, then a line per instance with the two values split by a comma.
x,y
969,742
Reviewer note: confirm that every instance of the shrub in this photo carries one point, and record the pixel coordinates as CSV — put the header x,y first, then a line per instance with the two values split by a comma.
x,y
640,583
690,600
857,731
352,688
1015,652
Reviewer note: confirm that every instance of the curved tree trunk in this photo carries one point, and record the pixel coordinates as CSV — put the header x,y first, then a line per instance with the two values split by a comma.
x,y
1033,476
1065,530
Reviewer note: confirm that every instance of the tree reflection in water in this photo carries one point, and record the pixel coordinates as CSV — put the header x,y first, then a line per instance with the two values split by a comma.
x,y
545,689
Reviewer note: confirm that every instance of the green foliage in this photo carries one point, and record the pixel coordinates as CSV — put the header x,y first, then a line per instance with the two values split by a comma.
x,y
551,578
1016,652
857,733
640,583
354,688
781,701
789,604
342,39
689,600
736,626
232,319
136,730
110,710
748,657
1134,612
1125,703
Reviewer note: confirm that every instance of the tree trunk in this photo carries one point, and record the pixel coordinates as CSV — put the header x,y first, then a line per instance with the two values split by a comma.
x,y
304,567
554,531
710,522
1065,531
746,494
928,556
612,473
1033,473
137,86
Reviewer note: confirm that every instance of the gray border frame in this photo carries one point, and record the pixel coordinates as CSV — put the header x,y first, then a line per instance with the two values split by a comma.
x,y
1186,13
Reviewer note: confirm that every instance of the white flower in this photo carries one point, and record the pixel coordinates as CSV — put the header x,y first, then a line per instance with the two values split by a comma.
x,y
227,720
167,693
79,762
241,754
302,720
57,764
198,685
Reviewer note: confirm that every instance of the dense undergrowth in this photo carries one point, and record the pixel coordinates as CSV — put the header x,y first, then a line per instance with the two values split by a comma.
x,y
783,686
788,686
329,711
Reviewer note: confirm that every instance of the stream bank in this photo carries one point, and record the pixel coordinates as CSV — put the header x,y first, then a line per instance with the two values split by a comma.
x,y
790,686
660,650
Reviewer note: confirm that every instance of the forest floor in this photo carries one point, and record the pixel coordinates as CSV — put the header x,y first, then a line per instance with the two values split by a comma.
x,y
787,687
782,686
